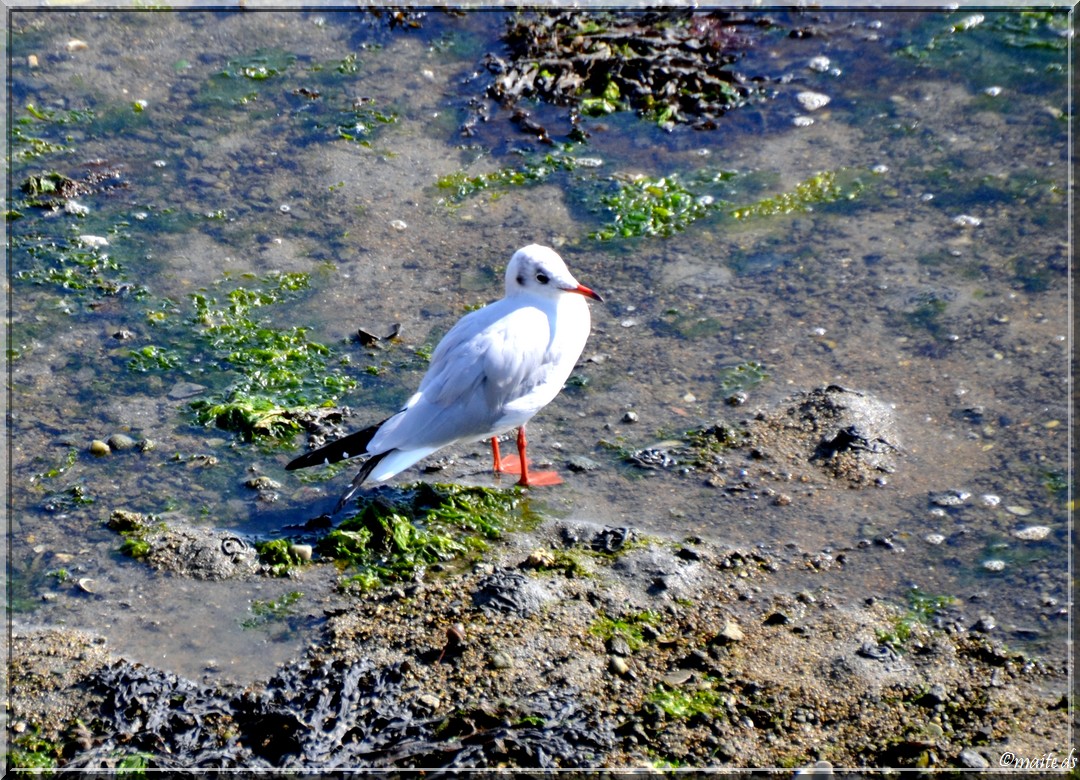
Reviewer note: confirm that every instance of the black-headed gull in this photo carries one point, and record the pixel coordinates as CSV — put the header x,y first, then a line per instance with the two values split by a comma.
x,y
495,369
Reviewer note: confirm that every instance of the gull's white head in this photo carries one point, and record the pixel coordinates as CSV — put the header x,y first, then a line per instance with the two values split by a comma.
x,y
539,270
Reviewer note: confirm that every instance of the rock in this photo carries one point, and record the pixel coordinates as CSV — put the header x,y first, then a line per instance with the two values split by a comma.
x,y
119,442
302,551
972,760
949,498
580,463
184,390
730,633
501,660
99,449
812,101
262,482
619,665
1032,533
630,417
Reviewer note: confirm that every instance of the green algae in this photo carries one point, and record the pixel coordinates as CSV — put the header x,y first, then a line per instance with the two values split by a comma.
x,y
275,374
396,535
647,206
629,628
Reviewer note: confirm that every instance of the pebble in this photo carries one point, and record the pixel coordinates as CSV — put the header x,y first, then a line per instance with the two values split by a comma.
x,y
819,64
678,678
989,499
75,45
731,632
972,760
262,482
934,538
994,564
76,209
802,121
94,242
183,390
1032,533
949,497
992,91
812,101
630,417
619,665
99,449
1019,511
32,60
119,442
501,660
985,624
398,224
966,220
580,463
86,585
302,551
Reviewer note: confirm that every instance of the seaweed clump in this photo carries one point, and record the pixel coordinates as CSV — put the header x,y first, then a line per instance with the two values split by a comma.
x,y
673,67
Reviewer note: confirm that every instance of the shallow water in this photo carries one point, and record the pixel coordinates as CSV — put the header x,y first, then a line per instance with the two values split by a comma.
x,y
963,328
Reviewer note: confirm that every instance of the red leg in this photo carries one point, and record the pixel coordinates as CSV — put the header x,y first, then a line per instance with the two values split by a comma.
x,y
537,478
497,467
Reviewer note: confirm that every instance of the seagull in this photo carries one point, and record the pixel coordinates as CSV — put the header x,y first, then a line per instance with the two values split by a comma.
x,y
492,372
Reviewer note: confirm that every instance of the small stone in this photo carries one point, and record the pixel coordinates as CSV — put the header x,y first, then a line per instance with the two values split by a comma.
x,y
967,221
94,242
146,445
994,564
580,463
630,417
934,539
972,760
99,449
501,660
802,121
32,60
262,482
429,701
119,442
1019,511
812,101
75,45
302,551
949,497
731,633
398,225
86,585
989,499
617,645
1032,533
76,209
677,678
819,64
985,624
183,390
619,665
992,91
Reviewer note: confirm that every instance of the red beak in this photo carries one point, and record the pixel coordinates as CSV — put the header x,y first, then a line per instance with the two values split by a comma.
x,y
583,290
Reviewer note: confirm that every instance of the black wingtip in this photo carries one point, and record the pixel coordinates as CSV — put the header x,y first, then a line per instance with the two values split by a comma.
x,y
346,447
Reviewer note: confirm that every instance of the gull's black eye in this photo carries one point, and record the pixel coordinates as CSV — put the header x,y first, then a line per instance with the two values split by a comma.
x,y
542,278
